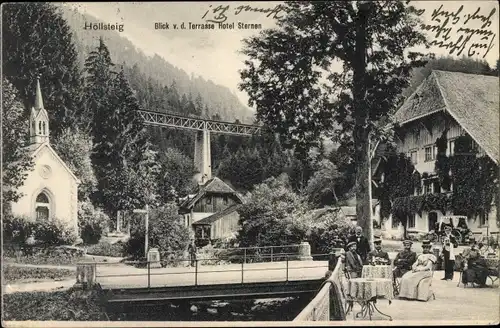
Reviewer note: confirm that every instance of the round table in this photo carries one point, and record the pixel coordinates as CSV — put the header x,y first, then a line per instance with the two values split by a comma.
x,y
377,271
366,291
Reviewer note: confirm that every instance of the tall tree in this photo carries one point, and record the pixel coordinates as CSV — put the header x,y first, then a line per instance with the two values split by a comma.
x,y
16,159
176,175
125,165
283,75
37,40
99,71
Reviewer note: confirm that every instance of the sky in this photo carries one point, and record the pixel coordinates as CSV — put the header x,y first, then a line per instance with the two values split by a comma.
x,y
214,54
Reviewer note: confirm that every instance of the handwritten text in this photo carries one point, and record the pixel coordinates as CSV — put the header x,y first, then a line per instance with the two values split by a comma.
x,y
456,35
220,13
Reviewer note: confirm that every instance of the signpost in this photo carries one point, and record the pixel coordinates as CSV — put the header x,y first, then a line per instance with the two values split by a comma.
x,y
146,238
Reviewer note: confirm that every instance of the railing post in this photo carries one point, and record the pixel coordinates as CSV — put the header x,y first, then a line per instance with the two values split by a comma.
x,y
271,253
245,255
287,268
242,272
196,272
149,275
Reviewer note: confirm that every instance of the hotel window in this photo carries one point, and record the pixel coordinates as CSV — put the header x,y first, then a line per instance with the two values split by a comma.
x,y
483,220
209,200
427,187
411,221
451,148
394,223
225,200
474,146
414,157
429,156
436,186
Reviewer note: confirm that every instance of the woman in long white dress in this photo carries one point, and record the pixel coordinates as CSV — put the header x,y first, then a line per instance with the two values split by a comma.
x,y
416,284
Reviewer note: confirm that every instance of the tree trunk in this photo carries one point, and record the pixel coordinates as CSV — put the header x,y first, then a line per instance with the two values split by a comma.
x,y
361,131
404,223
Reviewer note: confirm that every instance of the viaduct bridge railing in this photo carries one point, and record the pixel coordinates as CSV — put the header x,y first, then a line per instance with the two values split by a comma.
x,y
199,124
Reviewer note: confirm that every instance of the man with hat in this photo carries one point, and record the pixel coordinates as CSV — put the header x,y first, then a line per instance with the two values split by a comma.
x,y
378,256
353,262
362,244
449,244
404,259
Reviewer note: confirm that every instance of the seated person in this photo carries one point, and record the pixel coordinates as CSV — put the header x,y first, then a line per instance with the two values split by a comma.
x,y
404,260
475,267
378,256
353,262
416,284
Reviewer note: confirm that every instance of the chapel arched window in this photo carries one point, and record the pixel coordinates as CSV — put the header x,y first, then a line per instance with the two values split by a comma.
x,y
42,206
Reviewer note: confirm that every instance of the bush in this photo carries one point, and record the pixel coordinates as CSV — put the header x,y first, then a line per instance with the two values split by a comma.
x,y
166,232
273,215
92,223
209,255
54,306
16,230
106,249
54,232
331,233
57,255
15,273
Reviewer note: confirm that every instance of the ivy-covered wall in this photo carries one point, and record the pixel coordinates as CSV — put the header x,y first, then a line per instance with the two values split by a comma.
x,y
470,184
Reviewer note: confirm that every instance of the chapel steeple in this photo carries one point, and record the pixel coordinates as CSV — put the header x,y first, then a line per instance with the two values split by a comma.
x,y
39,119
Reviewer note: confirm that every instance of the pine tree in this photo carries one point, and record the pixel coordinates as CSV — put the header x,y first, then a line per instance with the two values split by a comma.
x,y
125,165
16,159
37,40
99,72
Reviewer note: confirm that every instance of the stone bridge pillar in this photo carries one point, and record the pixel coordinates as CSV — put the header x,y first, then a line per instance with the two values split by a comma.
x,y
85,275
305,251
202,156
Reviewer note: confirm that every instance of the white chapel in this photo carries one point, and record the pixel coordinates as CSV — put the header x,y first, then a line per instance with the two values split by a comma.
x,y
50,189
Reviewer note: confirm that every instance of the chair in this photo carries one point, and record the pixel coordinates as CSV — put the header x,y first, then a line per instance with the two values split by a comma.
x,y
493,274
460,267
430,287
396,282
349,301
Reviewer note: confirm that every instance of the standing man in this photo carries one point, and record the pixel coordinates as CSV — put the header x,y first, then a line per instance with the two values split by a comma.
x,y
362,244
449,244
192,252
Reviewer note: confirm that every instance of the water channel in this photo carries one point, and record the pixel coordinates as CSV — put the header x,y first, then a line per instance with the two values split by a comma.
x,y
278,309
